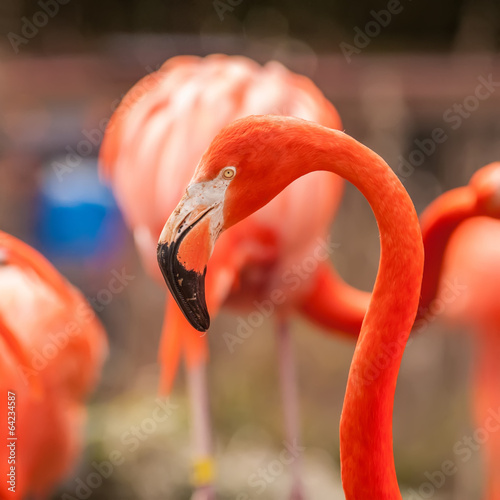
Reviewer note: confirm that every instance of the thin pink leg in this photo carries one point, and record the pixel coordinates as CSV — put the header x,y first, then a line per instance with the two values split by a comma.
x,y
487,402
290,404
202,434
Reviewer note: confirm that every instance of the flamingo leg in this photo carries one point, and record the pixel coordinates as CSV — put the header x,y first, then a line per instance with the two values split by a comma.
x,y
202,433
288,385
487,403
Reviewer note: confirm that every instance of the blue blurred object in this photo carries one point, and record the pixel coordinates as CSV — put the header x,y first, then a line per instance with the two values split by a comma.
x,y
78,218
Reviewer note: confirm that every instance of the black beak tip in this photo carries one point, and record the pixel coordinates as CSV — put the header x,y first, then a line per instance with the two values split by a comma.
x,y
203,325
186,286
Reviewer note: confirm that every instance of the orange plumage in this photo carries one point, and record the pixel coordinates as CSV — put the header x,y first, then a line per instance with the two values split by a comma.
x,y
151,148
62,347
296,148
462,237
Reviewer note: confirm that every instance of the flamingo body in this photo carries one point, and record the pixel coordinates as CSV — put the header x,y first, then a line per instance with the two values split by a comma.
x,y
65,345
149,154
472,265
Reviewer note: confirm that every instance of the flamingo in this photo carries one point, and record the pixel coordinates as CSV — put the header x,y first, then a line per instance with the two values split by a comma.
x,y
150,150
247,164
46,377
462,238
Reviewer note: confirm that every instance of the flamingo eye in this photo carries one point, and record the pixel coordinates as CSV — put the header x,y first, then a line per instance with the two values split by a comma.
x,y
228,173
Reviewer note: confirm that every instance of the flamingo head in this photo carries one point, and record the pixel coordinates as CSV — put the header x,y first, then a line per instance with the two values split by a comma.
x,y
486,184
242,170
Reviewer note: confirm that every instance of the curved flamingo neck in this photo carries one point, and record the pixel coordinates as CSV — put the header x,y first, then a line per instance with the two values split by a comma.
x,y
336,305
438,222
270,152
366,425
366,449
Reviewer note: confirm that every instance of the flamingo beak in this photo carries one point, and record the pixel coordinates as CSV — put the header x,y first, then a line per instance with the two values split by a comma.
x,y
184,247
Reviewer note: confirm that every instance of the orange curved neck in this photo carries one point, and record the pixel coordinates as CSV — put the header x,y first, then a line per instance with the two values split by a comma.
x,y
438,222
333,304
366,425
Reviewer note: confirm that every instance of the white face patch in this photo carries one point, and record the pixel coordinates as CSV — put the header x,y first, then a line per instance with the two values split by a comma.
x,y
199,199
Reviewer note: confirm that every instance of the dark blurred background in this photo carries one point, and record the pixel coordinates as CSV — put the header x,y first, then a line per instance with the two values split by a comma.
x,y
65,65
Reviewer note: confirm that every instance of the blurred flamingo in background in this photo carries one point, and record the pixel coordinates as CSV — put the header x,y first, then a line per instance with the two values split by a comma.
x,y
153,143
248,163
462,244
60,350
